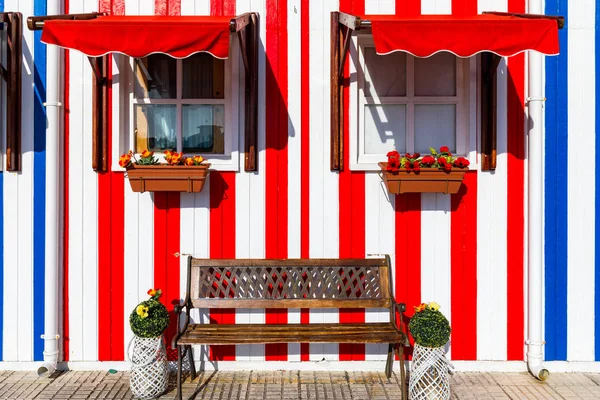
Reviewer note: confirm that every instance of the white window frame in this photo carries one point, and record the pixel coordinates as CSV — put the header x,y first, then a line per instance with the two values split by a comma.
x,y
465,101
230,159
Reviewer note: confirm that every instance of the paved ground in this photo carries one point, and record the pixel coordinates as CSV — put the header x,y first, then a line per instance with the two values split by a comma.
x,y
284,385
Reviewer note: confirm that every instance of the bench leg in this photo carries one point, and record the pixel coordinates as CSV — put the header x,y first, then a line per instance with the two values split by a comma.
x,y
179,361
190,354
390,361
400,353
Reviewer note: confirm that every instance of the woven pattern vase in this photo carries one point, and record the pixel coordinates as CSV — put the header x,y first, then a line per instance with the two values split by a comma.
x,y
429,374
149,373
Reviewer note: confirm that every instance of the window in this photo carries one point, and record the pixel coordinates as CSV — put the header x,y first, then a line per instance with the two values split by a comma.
x,y
185,105
407,103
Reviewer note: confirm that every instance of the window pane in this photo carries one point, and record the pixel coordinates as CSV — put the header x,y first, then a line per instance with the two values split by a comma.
x,y
156,77
154,127
385,128
435,126
203,128
203,77
435,75
385,75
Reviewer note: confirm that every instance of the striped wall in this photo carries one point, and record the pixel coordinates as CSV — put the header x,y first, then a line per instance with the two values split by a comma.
x,y
467,252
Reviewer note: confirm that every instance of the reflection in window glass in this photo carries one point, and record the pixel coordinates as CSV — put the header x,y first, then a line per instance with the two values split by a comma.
x,y
203,77
156,77
435,75
154,127
386,75
203,128
385,128
435,126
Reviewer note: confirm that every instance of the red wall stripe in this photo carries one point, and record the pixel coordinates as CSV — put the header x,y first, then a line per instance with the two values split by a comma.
x,y
166,263
407,209
222,245
515,200
352,209
65,279
276,201
462,8
222,218
305,150
463,274
111,242
167,7
408,7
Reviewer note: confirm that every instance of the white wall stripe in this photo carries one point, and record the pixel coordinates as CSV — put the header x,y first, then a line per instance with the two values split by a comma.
x,y
436,6
380,6
581,186
250,191
295,157
324,185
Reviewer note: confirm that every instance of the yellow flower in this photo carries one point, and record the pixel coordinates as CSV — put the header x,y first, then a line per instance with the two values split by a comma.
x,y
188,161
198,160
142,311
434,306
146,154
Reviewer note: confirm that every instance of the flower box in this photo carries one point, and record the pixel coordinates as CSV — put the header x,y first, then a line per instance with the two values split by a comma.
x,y
167,178
427,180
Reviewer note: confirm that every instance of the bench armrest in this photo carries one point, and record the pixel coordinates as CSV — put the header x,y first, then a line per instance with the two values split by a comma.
x,y
397,310
178,309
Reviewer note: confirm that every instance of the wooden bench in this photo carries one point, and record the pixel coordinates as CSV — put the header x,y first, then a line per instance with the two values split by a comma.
x,y
309,283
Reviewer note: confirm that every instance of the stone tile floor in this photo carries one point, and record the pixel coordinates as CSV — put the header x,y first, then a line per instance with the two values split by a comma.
x,y
284,385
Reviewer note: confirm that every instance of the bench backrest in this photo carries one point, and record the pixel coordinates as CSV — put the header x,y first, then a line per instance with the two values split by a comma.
x,y
308,283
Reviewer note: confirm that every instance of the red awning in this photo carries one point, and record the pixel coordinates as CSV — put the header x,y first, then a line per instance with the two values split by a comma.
x,y
139,36
425,35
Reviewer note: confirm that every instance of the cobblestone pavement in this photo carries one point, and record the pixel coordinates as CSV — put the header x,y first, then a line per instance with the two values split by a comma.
x,y
284,385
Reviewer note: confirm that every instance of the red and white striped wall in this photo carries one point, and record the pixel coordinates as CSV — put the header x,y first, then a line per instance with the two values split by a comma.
x,y
464,251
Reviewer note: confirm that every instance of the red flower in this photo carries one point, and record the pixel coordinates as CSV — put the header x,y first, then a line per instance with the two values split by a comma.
x,y
427,161
442,161
444,149
416,166
413,156
447,166
461,162
393,164
393,154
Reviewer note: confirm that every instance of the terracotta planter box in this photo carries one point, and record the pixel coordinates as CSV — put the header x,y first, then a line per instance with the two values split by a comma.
x,y
425,181
167,178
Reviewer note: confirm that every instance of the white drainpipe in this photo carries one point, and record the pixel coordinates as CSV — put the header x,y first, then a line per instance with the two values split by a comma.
x,y
535,209
54,113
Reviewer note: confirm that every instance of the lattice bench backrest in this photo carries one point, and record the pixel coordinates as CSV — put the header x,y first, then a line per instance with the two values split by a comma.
x,y
313,283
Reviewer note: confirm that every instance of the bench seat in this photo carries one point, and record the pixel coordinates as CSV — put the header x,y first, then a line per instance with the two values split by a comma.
x,y
221,334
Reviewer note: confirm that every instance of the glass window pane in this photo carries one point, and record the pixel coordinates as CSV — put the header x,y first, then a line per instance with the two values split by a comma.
x,y
385,75
385,128
436,75
203,128
435,126
156,77
154,127
203,77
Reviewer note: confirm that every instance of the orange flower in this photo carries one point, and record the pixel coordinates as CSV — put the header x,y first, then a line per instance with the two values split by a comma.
x,y
188,161
146,154
125,160
168,153
198,160
420,307
152,292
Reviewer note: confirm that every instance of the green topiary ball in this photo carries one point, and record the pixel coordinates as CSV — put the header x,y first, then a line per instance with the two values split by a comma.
x,y
429,328
149,319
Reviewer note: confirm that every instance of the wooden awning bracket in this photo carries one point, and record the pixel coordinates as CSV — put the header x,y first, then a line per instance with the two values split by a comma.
x,y
248,35
560,20
12,75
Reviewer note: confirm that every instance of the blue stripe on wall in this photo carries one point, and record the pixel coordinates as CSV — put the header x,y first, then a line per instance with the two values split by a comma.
x,y
1,248
39,186
555,251
597,201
